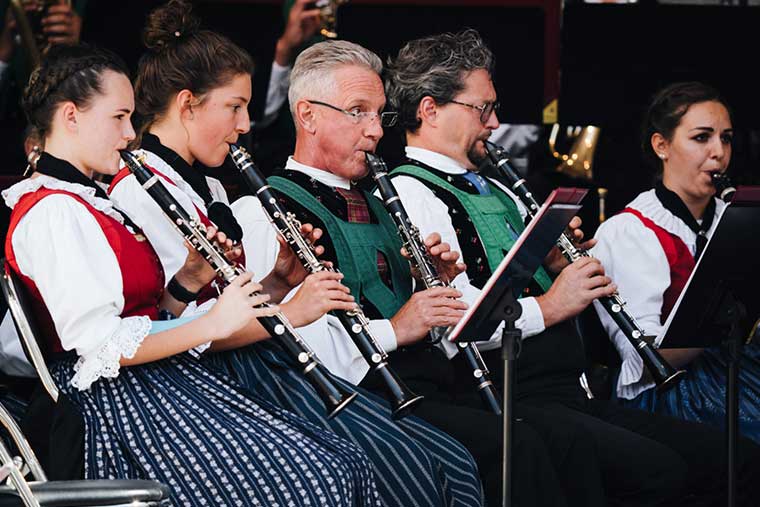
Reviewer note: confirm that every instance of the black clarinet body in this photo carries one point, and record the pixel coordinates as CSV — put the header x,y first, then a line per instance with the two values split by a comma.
x,y
663,374
414,245
725,190
334,396
356,324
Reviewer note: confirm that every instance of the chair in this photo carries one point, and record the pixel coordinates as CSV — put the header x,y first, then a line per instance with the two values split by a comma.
x,y
40,492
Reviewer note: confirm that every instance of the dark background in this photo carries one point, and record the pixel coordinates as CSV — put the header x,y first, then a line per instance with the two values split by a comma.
x,y
612,58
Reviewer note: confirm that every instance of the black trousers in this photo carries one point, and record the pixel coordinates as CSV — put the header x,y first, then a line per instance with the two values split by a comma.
x,y
548,456
648,459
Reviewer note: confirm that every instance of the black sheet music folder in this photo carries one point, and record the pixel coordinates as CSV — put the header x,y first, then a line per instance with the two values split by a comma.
x,y
727,273
517,268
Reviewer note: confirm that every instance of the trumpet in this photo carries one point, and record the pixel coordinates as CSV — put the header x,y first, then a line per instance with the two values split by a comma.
x,y
334,396
403,400
412,240
663,374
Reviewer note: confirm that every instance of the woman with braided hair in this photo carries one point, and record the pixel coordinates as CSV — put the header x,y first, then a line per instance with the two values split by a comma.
x,y
192,91
150,409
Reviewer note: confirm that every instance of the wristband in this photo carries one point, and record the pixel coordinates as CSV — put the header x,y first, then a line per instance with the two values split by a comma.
x,y
180,293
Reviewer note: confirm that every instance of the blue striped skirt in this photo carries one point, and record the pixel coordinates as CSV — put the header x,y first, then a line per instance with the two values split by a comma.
x,y
414,463
701,395
212,442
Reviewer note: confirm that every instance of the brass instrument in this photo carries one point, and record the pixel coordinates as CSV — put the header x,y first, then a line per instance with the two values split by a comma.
x,y
29,26
328,13
579,161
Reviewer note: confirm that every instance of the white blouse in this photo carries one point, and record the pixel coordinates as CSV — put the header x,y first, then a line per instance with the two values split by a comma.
x,y
61,247
326,335
634,259
430,214
130,197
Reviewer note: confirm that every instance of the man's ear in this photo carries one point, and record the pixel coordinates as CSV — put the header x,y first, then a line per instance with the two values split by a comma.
x,y
427,111
305,117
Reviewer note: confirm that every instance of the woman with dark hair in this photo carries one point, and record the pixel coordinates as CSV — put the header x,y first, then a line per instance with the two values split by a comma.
x,y
192,90
650,249
150,409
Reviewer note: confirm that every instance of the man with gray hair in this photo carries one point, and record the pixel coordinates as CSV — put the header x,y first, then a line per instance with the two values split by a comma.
x,y
337,101
442,89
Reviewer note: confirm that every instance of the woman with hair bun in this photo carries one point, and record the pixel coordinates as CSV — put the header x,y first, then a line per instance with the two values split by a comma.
x,y
651,248
150,409
192,92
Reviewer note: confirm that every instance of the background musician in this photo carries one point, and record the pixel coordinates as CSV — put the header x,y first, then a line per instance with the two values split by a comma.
x,y
442,89
650,250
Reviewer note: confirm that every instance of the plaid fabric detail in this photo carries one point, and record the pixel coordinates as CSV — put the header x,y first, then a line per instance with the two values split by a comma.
x,y
357,211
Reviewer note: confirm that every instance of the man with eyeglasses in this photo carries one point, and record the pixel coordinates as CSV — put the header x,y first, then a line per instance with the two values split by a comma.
x,y
442,89
337,102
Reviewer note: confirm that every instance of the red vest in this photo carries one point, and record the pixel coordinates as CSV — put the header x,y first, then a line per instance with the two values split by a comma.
x,y
209,291
680,260
141,271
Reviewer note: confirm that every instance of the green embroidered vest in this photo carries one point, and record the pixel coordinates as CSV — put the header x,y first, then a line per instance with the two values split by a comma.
x,y
491,215
356,246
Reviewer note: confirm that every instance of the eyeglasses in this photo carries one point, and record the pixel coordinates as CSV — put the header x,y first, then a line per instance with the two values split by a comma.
x,y
485,109
387,119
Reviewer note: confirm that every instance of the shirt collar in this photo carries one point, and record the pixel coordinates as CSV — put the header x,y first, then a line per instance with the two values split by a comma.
x,y
322,176
435,160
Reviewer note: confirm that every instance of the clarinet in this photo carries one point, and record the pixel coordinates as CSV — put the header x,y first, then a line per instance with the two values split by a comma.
x,y
722,183
334,396
663,374
354,321
414,245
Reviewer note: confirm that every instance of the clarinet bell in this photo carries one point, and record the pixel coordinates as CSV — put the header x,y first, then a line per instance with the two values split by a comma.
x,y
403,400
333,394
663,374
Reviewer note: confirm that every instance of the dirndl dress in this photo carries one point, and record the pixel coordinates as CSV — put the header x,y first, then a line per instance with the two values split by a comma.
x,y
176,421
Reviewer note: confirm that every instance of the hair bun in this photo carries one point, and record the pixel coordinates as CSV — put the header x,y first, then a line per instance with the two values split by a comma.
x,y
168,24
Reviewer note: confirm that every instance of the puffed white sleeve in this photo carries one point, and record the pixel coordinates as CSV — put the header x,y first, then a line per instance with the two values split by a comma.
x,y
326,335
633,258
61,247
129,196
430,214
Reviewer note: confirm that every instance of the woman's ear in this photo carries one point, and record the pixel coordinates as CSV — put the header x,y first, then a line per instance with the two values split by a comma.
x,y
184,102
69,116
660,145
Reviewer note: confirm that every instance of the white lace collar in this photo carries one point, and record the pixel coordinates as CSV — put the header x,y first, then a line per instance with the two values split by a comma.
x,y
650,206
13,194
164,168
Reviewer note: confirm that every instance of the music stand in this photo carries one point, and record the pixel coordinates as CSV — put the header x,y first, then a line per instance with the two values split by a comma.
x,y
719,303
497,301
